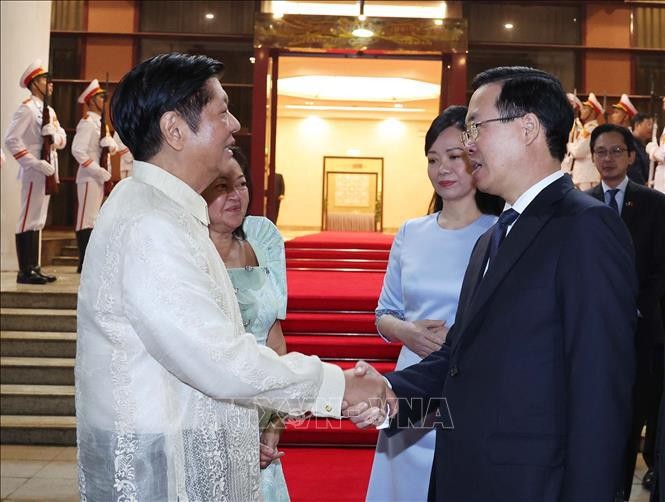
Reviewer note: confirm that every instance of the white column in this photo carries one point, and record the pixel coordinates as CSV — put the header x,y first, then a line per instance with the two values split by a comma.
x,y
25,36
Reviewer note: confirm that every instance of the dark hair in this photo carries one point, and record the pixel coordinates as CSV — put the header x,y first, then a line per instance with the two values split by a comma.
x,y
628,138
241,158
163,83
528,90
455,116
638,118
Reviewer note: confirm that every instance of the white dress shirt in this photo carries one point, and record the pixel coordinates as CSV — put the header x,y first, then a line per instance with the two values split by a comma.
x,y
167,381
620,195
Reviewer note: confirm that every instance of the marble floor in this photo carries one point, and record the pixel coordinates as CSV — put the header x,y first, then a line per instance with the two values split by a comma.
x,y
48,473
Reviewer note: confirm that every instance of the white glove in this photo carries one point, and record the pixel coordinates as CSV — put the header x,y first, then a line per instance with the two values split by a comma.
x,y
49,130
44,167
100,174
108,142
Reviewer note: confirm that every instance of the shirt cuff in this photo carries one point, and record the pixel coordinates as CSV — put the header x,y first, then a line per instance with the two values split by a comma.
x,y
331,393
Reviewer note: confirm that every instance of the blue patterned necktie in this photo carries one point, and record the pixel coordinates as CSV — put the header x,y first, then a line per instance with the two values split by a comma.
x,y
499,231
613,199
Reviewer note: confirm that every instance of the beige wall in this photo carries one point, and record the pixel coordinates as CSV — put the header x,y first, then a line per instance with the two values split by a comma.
x,y
302,144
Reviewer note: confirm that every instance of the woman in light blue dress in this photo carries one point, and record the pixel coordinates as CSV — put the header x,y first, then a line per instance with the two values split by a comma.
x,y
253,251
420,292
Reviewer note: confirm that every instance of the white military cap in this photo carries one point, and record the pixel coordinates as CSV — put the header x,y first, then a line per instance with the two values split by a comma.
x,y
593,102
626,105
92,90
32,72
574,101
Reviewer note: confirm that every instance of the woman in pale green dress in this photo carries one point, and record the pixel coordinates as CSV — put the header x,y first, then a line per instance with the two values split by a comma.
x,y
253,251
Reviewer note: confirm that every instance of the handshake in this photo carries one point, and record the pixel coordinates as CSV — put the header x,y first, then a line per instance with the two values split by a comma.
x,y
368,399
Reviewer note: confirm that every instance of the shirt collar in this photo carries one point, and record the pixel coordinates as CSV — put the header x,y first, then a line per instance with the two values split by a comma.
x,y
94,115
621,186
527,197
174,188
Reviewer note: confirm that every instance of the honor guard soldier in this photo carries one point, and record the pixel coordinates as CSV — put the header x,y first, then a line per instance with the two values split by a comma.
x,y
575,131
624,110
584,172
87,147
33,137
126,157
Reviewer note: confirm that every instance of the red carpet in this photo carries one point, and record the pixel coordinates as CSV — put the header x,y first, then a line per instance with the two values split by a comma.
x,y
336,254
334,322
332,264
333,290
327,474
353,240
327,431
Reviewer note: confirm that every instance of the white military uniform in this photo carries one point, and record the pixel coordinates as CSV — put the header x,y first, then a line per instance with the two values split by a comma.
x,y
584,170
90,176
24,140
126,157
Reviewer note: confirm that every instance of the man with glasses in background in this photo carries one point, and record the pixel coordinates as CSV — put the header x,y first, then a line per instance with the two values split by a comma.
x,y
535,378
643,211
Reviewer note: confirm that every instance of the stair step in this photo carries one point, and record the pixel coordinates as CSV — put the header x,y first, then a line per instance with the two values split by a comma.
x,y
326,431
65,260
37,370
38,399
37,344
335,264
326,254
328,322
358,346
346,364
22,319
69,251
44,430
41,298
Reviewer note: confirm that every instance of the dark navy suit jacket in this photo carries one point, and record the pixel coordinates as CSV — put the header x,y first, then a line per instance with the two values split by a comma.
x,y
538,370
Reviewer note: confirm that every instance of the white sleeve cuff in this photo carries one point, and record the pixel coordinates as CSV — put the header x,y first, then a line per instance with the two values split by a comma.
x,y
329,400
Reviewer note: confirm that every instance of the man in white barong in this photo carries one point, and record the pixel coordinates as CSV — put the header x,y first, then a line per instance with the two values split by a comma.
x,y
167,381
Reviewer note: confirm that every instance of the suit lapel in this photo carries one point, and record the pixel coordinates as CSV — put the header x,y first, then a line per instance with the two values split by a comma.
x,y
525,229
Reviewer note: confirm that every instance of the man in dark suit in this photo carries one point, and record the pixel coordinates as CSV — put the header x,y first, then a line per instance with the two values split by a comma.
x,y
535,378
642,209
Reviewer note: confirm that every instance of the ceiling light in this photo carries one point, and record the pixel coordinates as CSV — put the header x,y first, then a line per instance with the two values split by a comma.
x,y
252,59
329,108
210,15
438,22
277,15
344,88
398,105
362,17
508,26
362,33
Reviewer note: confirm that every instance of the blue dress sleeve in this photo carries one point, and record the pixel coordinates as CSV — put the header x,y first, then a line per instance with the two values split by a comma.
x,y
391,301
268,245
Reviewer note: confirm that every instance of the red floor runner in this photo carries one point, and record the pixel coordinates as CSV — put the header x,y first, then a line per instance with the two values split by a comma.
x,y
324,254
327,431
334,322
333,290
341,264
327,474
358,240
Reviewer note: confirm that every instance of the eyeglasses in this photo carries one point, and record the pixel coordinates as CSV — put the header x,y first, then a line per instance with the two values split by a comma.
x,y
615,152
471,131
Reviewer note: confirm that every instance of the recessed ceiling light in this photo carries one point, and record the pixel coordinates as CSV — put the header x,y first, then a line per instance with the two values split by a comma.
x,y
508,26
252,59
438,22
344,88
210,15
277,15
362,33
398,105
355,108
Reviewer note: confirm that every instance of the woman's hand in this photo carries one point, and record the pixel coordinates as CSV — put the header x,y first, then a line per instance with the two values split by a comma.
x,y
425,336
268,452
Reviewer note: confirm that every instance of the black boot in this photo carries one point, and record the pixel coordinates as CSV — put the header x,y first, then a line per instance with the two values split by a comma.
x,y
35,257
26,275
82,238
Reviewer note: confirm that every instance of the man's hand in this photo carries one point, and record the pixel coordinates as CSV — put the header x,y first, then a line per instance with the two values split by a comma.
x,y
268,452
427,336
367,396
